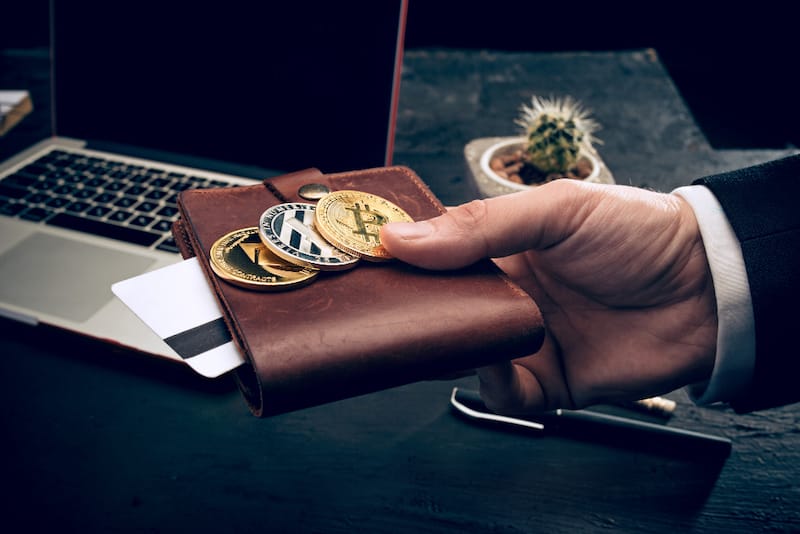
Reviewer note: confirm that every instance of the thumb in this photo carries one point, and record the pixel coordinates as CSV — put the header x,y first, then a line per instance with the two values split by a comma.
x,y
490,228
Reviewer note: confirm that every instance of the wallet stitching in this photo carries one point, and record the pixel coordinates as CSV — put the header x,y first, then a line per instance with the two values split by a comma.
x,y
183,236
194,246
415,180
274,190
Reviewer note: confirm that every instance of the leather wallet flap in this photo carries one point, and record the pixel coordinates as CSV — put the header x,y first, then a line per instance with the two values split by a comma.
x,y
373,327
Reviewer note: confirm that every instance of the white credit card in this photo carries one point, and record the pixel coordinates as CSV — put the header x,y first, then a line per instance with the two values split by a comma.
x,y
177,304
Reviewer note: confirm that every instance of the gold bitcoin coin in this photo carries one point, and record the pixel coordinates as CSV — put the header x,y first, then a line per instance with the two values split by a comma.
x,y
241,259
352,220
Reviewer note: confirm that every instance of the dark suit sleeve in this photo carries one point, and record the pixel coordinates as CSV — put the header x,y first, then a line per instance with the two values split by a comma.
x,y
762,204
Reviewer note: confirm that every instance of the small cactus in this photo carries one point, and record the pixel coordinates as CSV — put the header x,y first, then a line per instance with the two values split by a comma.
x,y
556,129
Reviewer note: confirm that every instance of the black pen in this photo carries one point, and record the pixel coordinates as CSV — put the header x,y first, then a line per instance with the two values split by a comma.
x,y
596,426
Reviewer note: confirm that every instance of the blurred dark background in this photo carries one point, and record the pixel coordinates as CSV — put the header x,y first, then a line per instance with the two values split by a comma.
x,y
734,65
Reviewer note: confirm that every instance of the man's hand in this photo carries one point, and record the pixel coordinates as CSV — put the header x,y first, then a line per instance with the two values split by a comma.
x,y
619,273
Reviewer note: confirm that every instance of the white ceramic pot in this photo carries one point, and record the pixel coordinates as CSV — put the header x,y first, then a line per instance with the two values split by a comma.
x,y
508,145
479,154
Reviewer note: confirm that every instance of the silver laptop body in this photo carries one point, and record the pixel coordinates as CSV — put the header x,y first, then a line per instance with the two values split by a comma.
x,y
64,241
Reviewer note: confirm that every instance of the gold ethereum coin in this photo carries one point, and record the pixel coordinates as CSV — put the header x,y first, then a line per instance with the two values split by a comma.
x,y
352,220
241,259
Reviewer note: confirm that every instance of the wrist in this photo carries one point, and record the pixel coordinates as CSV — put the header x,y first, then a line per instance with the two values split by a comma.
x,y
735,340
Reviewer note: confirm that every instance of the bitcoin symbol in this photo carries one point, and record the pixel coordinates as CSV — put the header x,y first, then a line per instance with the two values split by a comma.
x,y
358,234
364,217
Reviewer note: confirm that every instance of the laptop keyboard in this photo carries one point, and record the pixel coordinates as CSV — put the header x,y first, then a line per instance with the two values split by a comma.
x,y
101,196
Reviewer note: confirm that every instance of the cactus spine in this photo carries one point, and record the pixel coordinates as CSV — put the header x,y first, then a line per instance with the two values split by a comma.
x,y
556,130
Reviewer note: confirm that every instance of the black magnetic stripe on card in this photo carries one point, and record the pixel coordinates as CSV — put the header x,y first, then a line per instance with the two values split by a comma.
x,y
200,339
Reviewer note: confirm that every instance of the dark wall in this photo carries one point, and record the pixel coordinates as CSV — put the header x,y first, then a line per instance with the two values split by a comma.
x,y
24,24
735,65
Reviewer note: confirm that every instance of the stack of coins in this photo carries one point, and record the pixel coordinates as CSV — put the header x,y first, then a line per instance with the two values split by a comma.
x,y
294,241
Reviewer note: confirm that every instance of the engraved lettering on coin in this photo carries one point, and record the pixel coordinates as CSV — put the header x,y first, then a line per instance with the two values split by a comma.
x,y
240,258
288,230
352,220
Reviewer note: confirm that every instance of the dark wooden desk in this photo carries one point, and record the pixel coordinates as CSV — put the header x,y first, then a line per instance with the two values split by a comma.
x,y
97,440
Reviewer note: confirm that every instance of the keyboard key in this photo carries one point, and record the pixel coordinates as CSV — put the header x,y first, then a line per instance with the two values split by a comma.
x,y
96,170
11,208
168,245
181,186
35,214
120,216
156,194
160,182
37,198
78,207
83,193
141,220
113,231
105,198
126,202
97,182
167,211
64,190
115,186
47,184
146,207
58,174
20,180
36,169
12,192
136,190
162,225
98,211
57,202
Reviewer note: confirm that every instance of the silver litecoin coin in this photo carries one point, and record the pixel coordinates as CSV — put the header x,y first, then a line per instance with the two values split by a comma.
x,y
288,231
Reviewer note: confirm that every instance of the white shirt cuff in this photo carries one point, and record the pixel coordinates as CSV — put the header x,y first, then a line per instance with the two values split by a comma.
x,y
735,358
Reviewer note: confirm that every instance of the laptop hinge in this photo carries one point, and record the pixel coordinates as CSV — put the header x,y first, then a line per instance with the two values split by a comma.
x,y
225,167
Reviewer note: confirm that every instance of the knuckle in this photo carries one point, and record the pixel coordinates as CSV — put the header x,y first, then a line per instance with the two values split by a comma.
x,y
472,221
471,216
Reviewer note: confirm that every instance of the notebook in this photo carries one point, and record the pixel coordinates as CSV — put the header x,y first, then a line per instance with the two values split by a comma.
x,y
149,100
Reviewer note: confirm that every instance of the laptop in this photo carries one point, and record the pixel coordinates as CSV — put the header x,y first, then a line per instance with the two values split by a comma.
x,y
151,98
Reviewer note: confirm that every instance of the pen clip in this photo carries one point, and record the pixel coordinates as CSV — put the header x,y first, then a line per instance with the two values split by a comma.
x,y
460,399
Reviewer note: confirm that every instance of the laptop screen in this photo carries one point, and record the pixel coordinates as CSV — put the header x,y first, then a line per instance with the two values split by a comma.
x,y
279,85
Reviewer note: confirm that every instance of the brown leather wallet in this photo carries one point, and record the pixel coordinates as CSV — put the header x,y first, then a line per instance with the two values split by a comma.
x,y
349,333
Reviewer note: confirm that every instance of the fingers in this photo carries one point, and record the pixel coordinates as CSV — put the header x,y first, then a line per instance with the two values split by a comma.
x,y
528,385
493,227
510,389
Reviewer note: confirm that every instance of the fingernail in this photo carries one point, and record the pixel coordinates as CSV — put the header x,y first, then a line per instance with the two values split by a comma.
x,y
410,231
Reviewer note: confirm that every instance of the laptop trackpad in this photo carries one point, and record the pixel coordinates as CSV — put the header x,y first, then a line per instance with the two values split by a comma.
x,y
64,277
